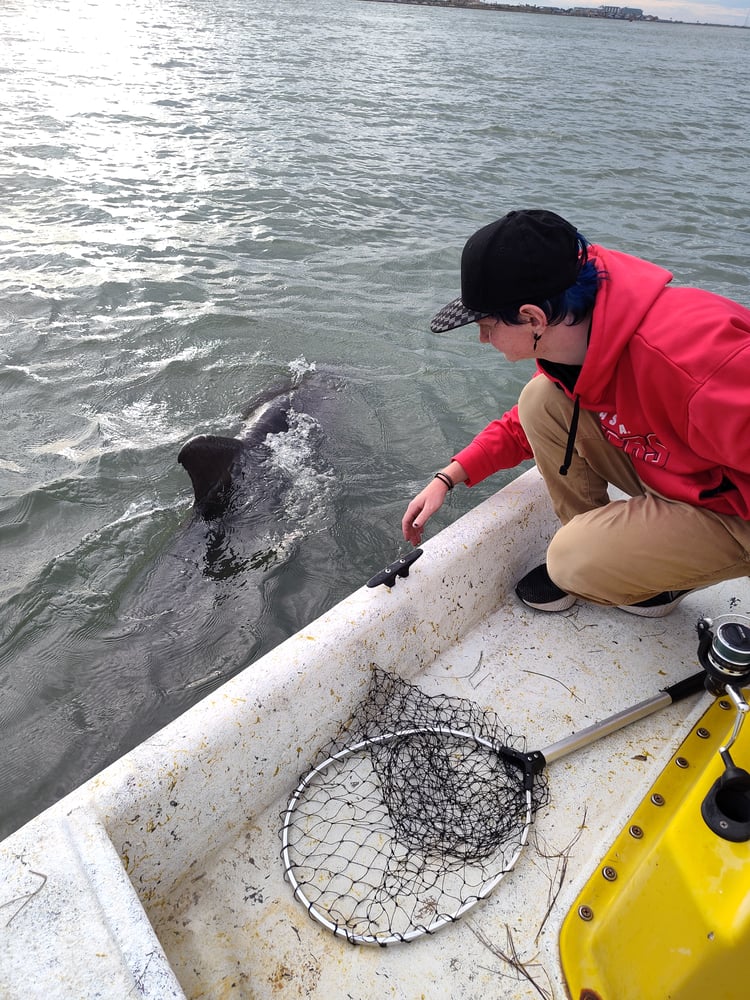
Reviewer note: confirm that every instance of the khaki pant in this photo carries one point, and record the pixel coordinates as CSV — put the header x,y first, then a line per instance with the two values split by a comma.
x,y
621,551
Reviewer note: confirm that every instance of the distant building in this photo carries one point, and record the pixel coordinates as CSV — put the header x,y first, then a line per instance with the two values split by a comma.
x,y
621,13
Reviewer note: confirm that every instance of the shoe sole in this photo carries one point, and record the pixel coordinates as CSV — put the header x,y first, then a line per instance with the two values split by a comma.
x,y
566,602
657,611
553,606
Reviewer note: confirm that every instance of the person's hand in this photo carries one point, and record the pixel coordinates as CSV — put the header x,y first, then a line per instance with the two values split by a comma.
x,y
421,509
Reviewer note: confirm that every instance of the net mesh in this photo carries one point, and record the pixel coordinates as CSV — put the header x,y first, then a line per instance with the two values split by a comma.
x,y
411,815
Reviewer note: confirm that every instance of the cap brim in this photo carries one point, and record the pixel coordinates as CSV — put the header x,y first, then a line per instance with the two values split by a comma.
x,y
453,315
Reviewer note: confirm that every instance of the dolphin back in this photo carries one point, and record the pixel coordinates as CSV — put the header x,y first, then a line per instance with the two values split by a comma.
x,y
209,461
214,463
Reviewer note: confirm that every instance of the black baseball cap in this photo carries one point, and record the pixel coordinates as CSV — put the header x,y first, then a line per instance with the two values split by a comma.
x,y
527,256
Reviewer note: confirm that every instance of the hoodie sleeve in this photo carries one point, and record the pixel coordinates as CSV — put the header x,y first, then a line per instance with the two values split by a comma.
x,y
501,445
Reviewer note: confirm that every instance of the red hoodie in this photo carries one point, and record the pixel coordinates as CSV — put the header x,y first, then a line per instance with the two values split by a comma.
x,y
668,372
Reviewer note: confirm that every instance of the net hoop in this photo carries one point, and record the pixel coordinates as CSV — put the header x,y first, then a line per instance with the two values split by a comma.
x,y
384,938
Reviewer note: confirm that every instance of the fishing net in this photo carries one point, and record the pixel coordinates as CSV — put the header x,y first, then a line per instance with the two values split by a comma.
x,y
410,816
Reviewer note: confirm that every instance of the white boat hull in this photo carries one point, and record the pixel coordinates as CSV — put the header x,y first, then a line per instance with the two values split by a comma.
x,y
161,876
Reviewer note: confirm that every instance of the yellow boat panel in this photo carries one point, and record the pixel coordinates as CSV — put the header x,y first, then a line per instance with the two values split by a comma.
x,y
666,914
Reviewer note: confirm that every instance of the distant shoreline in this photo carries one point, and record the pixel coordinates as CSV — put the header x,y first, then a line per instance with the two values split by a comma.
x,y
594,13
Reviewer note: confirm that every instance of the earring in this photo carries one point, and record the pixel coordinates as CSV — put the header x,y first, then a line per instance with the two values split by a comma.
x,y
537,338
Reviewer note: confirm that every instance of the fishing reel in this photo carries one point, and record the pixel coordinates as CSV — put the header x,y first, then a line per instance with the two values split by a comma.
x,y
724,653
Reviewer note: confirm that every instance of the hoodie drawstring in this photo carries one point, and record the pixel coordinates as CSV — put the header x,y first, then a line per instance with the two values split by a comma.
x,y
571,437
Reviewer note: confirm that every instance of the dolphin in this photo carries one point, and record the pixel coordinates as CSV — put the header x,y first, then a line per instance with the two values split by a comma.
x,y
244,492
158,608
218,465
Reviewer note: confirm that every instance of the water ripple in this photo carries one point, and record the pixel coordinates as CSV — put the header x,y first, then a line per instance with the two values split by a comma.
x,y
184,214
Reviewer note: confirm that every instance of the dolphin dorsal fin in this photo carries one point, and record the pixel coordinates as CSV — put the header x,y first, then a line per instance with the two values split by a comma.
x,y
209,460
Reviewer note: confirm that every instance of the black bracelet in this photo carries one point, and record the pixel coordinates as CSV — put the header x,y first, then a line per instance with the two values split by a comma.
x,y
444,478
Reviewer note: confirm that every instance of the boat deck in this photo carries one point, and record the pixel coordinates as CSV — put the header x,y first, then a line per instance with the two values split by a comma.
x,y
162,876
232,919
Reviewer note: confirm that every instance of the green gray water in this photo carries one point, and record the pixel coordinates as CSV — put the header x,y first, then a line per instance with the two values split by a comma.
x,y
197,197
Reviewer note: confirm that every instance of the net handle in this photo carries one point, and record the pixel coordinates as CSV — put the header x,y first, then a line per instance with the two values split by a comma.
x,y
532,763
668,696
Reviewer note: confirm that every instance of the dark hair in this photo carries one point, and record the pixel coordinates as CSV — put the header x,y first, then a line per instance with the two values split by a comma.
x,y
576,301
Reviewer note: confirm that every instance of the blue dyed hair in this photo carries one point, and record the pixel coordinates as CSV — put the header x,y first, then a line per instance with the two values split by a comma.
x,y
575,302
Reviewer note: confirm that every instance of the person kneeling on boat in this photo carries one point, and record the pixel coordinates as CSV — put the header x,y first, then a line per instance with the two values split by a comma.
x,y
639,384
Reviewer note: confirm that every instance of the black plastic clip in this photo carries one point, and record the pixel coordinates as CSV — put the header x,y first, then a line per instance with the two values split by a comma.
x,y
400,567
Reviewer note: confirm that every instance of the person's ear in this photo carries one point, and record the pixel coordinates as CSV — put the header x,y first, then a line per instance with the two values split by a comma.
x,y
534,315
